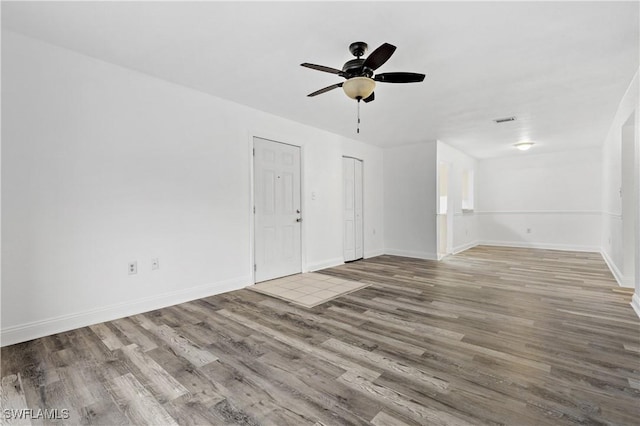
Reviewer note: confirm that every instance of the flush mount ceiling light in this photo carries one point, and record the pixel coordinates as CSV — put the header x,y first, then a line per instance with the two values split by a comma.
x,y
523,146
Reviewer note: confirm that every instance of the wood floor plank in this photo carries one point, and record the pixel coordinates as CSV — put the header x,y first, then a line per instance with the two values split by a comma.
x,y
384,395
107,336
135,334
407,372
13,401
163,383
384,419
302,346
184,347
305,403
198,414
138,404
334,326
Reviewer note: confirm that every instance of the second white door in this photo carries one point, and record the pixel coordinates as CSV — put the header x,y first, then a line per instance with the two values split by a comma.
x,y
353,209
277,210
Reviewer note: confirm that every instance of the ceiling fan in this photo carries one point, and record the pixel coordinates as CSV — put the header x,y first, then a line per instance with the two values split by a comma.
x,y
359,73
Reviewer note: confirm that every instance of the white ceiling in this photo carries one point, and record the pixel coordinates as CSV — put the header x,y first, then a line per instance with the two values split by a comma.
x,y
560,67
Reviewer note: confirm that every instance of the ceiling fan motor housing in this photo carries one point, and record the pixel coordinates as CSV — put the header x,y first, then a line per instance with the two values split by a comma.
x,y
354,68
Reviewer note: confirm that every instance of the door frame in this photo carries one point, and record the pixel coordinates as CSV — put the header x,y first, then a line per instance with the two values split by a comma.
x,y
630,212
303,203
449,215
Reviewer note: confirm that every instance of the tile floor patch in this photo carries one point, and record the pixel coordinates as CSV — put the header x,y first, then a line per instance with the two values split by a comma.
x,y
308,290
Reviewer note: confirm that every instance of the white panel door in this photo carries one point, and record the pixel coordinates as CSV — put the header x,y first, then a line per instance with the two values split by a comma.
x,y
359,240
277,210
352,204
349,201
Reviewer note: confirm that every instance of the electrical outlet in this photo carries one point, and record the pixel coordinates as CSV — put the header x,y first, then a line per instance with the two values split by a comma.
x,y
155,264
133,267
374,231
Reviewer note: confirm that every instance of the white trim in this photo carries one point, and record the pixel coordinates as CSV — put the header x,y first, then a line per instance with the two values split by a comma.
x,y
464,247
635,303
252,206
545,246
622,281
465,213
46,327
615,215
411,253
518,212
330,263
373,253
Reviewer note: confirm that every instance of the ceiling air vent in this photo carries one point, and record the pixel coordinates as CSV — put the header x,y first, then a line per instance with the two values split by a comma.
x,y
504,120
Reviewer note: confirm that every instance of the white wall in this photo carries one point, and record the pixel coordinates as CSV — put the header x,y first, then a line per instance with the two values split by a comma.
x,y
410,174
541,200
465,228
613,241
102,165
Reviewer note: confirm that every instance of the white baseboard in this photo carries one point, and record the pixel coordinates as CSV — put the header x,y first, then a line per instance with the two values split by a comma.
x,y
373,253
46,327
411,253
464,247
622,281
544,246
324,264
635,304
337,261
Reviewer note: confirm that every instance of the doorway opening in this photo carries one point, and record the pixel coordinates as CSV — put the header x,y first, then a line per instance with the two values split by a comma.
x,y
444,216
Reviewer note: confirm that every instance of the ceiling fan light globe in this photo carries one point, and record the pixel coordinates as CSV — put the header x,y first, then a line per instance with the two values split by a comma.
x,y
359,87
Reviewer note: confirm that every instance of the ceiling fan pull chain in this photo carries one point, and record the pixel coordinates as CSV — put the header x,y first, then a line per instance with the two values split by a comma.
x,y
358,130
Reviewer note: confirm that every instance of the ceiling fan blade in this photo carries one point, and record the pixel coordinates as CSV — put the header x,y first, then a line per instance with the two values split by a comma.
x,y
326,89
370,98
322,68
399,77
379,56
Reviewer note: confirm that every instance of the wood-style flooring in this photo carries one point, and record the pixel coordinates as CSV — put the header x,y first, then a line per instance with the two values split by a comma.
x,y
489,336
